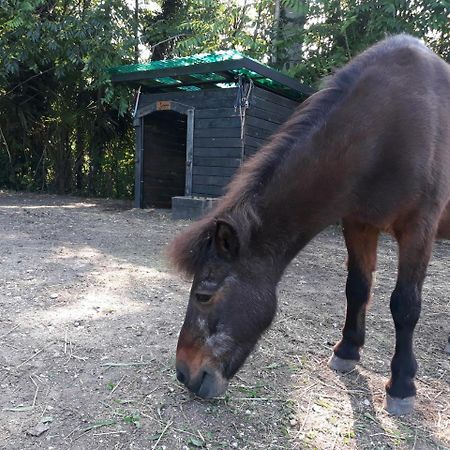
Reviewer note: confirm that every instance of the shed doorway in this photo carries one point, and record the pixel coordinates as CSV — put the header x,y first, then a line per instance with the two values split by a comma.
x,y
164,158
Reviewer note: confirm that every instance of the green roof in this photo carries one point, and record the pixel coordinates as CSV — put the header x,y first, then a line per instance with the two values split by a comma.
x,y
206,71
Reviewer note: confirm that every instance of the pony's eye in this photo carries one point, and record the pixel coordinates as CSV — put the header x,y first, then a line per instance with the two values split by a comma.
x,y
203,298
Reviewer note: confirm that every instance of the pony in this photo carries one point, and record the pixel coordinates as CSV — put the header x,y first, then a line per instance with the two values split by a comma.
x,y
372,150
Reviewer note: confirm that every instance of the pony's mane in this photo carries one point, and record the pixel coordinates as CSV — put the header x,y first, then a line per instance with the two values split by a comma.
x,y
239,206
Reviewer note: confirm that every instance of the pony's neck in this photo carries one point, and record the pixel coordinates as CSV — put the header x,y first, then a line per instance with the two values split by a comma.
x,y
308,192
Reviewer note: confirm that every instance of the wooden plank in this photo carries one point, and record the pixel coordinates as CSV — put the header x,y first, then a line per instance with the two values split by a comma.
x,y
186,95
212,180
189,152
217,132
217,152
275,98
254,142
219,98
217,162
260,123
218,142
257,132
221,171
270,115
230,122
261,103
207,190
139,164
250,151
216,112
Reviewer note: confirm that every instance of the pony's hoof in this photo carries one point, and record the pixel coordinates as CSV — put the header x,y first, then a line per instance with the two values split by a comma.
x,y
341,365
399,406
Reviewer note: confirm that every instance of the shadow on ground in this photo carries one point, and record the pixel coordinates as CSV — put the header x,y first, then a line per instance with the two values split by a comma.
x,y
90,316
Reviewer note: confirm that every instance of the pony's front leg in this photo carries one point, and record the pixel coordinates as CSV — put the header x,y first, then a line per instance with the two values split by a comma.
x,y
414,254
361,241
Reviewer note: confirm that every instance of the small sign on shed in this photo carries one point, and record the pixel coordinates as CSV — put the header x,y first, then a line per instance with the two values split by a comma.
x,y
197,119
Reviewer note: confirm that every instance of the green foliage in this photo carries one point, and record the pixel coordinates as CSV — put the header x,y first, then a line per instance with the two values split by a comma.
x,y
335,30
64,127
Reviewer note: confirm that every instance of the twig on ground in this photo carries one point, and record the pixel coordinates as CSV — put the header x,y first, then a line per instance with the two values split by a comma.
x,y
112,364
36,393
335,439
162,434
201,436
109,432
415,440
73,431
33,356
116,386
9,332
65,343
306,416
94,426
71,354
184,431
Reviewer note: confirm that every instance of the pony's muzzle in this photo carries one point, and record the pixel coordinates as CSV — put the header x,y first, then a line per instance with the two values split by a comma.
x,y
206,383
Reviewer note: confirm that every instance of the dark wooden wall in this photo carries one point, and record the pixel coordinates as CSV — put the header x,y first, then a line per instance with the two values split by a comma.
x,y
164,168
266,113
217,144
218,147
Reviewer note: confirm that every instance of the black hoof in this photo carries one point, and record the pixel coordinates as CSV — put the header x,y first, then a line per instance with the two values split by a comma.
x,y
341,365
399,406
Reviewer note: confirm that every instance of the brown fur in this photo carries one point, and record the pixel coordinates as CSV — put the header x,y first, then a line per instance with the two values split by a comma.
x,y
373,150
346,110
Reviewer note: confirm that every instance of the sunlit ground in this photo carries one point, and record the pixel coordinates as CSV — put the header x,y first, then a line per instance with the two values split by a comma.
x,y
90,317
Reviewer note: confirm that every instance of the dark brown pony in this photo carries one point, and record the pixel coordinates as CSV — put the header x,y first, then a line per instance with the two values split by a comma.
x,y
371,149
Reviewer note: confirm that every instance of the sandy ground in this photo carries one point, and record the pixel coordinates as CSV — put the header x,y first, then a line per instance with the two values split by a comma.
x,y
88,328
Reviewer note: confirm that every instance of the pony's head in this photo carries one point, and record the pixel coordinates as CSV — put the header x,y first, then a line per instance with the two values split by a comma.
x,y
232,301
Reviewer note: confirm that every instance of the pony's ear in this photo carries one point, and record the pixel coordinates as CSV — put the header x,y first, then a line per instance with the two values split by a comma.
x,y
226,240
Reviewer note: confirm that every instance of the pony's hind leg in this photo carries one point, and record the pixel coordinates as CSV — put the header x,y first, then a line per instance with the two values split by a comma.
x,y
361,241
414,253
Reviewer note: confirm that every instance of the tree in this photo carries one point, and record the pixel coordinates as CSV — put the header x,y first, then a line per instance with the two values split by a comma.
x,y
59,114
337,30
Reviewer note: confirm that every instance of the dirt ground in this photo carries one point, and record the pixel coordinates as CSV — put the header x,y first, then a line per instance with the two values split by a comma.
x,y
88,327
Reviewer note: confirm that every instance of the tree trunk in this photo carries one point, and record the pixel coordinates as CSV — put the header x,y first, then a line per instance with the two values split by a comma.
x,y
287,41
170,8
276,31
78,166
136,31
63,164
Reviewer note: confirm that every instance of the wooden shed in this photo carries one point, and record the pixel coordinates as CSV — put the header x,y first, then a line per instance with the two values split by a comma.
x,y
197,119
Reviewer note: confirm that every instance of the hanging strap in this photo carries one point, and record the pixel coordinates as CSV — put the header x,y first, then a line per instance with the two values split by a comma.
x,y
245,86
136,103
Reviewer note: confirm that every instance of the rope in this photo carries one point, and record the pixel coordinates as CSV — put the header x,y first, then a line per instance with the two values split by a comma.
x,y
245,87
136,105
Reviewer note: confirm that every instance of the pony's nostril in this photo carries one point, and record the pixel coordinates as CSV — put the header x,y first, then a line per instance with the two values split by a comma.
x,y
211,384
182,375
